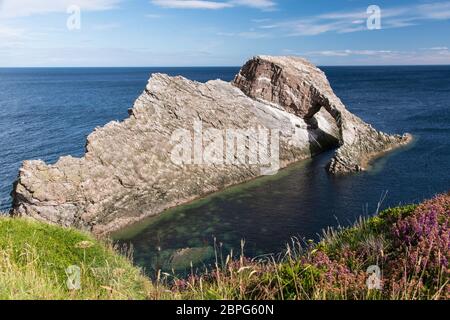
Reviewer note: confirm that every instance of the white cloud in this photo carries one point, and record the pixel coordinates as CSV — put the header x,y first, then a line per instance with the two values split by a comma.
x,y
438,55
192,4
106,26
436,48
153,16
9,32
11,37
245,34
353,21
260,4
21,8
348,52
214,5
435,11
263,20
252,35
92,56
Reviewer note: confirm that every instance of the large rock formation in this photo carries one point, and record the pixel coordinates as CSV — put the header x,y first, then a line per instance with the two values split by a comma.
x,y
182,141
276,80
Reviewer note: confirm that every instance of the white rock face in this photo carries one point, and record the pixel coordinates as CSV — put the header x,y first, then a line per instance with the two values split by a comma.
x,y
129,172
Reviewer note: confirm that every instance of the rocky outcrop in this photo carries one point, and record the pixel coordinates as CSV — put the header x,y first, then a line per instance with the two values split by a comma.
x,y
185,139
302,89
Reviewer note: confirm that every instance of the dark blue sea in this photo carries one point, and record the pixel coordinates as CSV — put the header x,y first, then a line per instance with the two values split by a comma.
x,y
47,113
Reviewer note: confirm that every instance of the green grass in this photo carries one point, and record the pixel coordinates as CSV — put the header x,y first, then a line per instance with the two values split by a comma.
x,y
34,257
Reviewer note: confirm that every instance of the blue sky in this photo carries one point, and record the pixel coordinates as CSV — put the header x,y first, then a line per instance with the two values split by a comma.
x,y
221,32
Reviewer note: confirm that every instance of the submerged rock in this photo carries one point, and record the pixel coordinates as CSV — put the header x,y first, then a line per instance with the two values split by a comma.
x,y
185,139
183,259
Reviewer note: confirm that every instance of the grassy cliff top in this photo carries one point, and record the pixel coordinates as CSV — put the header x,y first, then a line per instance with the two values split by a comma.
x,y
408,245
36,260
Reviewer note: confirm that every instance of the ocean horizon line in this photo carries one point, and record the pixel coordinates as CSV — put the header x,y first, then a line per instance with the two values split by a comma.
x,y
218,66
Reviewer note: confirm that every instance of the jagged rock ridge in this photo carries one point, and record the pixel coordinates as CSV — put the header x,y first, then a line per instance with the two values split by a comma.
x,y
128,172
276,80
